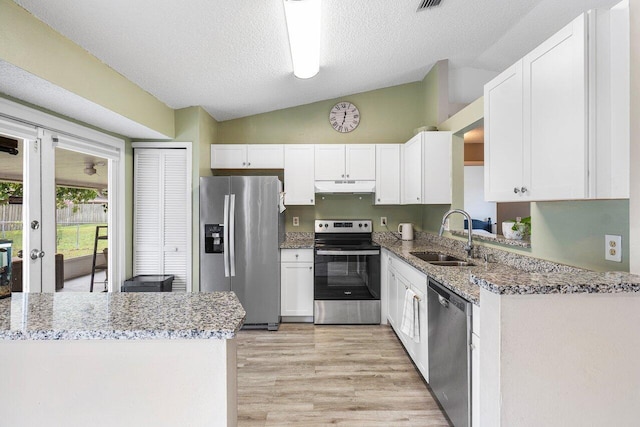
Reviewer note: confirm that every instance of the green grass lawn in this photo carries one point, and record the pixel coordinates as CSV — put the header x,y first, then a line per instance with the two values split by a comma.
x,y
73,241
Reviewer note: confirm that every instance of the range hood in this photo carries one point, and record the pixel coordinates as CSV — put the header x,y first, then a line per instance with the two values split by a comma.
x,y
346,186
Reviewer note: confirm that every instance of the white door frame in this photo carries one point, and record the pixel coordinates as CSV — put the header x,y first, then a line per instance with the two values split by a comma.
x,y
54,131
190,206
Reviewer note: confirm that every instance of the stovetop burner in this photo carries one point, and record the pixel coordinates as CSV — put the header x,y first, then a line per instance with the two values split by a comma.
x,y
351,234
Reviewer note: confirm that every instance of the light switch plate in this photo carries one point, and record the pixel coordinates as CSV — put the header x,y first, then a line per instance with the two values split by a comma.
x,y
296,221
613,247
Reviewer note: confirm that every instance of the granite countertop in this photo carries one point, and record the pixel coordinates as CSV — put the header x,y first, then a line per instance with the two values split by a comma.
x,y
534,277
298,240
120,316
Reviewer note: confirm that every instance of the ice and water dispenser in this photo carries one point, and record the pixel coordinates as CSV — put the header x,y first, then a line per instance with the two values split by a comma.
x,y
213,238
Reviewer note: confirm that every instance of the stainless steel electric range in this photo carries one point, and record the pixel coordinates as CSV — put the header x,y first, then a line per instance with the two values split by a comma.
x,y
347,273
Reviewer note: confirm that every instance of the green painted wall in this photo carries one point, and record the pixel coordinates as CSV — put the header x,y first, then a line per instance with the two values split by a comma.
x,y
388,116
36,48
352,206
195,125
573,232
429,98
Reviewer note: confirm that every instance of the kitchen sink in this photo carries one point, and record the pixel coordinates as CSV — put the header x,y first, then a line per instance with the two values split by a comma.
x,y
440,259
452,263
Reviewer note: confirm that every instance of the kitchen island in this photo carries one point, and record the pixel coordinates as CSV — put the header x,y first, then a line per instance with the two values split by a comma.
x,y
553,344
125,359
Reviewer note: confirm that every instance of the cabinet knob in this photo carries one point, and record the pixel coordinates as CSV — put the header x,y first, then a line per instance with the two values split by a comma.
x,y
297,255
378,199
417,198
249,164
311,200
347,175
244,163
523,189
343,175
516,190
310,268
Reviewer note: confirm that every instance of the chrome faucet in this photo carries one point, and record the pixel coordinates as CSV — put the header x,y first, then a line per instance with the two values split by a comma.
x,y
469,246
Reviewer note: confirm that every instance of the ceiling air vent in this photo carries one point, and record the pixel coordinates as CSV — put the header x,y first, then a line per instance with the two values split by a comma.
x,y
426,4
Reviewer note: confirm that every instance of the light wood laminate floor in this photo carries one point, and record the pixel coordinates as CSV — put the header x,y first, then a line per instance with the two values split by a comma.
x,y
306,375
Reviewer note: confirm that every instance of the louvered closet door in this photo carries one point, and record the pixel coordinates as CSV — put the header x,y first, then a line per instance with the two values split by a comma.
x,y
160,214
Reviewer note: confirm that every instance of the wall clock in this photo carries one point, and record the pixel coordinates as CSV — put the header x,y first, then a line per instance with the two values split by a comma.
x,y
344,117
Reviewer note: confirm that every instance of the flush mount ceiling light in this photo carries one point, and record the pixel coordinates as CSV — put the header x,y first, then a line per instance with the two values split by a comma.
x,y
303,25
90,169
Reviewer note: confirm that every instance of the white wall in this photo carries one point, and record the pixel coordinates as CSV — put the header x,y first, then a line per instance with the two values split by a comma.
x,y
467,84
119,383
559,360
474,194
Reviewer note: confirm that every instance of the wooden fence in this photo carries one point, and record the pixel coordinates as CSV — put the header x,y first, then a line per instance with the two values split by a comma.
x,y
91,213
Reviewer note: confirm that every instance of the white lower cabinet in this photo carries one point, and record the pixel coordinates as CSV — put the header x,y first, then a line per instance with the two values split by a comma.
x,y
400,277
475,380
296,282
475,366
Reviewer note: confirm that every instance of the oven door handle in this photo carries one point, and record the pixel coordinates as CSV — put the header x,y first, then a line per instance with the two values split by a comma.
x,y
325,252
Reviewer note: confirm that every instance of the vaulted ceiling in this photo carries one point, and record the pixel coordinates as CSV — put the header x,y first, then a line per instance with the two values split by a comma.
x,y
232,56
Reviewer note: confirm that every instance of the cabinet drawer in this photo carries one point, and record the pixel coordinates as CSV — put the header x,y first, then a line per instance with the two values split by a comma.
x,y
296,255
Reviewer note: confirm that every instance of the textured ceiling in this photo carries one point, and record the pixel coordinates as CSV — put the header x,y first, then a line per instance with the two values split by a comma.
x,y
232,56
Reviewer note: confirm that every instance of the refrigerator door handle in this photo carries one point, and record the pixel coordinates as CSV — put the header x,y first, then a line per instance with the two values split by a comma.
x,y
232,235
225,249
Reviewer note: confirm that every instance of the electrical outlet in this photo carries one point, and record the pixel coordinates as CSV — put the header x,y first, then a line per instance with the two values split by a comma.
x,y
296,221
613,248
383,221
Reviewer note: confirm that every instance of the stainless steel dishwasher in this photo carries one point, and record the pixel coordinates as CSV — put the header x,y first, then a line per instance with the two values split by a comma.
x,y
450,352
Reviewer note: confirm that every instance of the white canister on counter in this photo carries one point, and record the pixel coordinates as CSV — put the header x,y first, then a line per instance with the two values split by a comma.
x,y
406,229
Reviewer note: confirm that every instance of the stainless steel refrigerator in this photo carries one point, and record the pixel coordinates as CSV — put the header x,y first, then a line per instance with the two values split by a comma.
x,y
241,228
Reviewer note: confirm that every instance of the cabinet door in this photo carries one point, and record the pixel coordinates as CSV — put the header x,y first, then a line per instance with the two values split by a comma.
x,y
475,380
299,174
265,156
401,289
296,289
228,156
436,188
161,204
360,161
555,111
384,285
421,358
388,174
329,162
412,171
392,297
503,133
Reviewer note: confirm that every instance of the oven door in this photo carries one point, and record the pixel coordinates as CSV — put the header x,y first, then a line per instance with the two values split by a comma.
x,y
346,274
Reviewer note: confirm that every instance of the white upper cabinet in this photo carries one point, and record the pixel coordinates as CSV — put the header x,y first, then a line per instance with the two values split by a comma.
x,y
329,162
548,118
243,156
426,169
503,132
555,111
387,174
412,171
228,156
437,162
299,174
335,162
360,162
